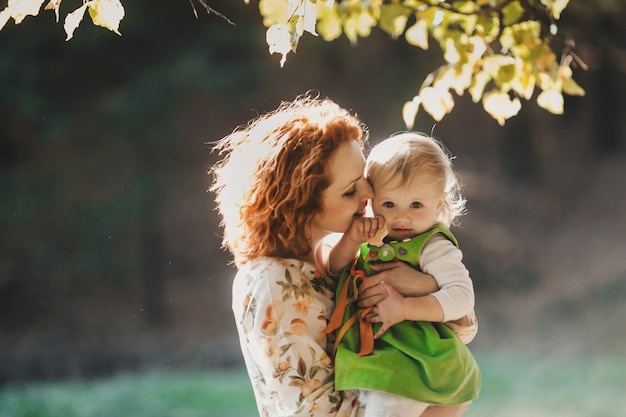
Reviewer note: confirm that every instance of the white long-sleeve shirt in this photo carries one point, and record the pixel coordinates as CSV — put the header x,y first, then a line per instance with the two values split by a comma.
x,y
443,260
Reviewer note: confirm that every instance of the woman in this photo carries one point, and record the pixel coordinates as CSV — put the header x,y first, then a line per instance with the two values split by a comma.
x,y
287,181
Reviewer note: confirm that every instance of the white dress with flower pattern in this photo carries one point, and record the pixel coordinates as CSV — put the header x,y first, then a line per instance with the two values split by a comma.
x,y
281,307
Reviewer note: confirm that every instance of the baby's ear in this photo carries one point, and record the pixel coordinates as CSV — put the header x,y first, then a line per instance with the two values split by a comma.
x,y
442,203
442,206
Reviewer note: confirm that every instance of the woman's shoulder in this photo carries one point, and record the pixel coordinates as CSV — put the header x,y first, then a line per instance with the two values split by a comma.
x,y
282,272
269,264
276,270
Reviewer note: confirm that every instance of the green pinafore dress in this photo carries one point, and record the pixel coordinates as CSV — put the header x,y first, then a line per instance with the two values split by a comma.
x,y
420,360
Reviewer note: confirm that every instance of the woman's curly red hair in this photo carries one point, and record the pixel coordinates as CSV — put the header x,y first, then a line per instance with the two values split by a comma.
x,y
271,181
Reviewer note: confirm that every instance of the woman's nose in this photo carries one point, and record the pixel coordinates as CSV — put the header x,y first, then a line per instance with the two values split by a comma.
x,y
366,192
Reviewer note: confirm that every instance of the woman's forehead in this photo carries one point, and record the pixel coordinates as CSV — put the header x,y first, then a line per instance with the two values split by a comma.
x,y
347,164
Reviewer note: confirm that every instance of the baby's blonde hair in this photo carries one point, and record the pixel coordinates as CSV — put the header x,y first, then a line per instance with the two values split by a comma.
x,y
408,154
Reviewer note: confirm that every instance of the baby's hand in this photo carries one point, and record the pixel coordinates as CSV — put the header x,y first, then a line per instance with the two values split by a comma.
x,y
367,229
387,312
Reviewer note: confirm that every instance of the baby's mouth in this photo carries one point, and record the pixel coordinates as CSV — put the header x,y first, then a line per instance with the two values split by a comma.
x,y
401,233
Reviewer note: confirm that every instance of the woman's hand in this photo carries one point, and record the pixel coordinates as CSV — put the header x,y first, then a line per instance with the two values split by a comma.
x,y
405,279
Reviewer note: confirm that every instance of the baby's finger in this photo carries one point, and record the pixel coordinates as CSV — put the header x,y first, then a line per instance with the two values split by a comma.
x,y
378,232
381,331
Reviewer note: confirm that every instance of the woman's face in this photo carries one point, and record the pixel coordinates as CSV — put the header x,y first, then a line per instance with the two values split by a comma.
x,y
348,193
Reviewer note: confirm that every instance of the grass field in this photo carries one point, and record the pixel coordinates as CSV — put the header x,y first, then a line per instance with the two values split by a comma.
x,y
512,387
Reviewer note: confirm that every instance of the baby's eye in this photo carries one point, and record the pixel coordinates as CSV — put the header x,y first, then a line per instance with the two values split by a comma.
x,y
388,204
416,204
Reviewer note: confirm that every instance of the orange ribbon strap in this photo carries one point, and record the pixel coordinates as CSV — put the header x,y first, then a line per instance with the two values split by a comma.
x,y
335,322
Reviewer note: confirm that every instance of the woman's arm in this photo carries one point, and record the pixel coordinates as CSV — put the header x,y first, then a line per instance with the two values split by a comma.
x,y
281,320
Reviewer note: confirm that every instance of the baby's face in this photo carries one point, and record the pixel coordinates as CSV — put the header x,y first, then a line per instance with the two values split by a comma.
x,y
409,209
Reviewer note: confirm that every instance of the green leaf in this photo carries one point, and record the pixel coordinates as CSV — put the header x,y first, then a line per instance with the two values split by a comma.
x,y
512,13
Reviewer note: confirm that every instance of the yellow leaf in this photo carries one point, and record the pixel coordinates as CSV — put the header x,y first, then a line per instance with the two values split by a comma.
x,y
544,81
512,13
106,13
72,20
4,17
350,28
409,111
551,100
310,17
478,47
365,22
19,9
55,5
572,88
545,61
393,19
524,85
274,11
279,41
457,78
493,63
500,106
501,68
478,87
417,35
437,102
451,53
305,15
555,6
329,24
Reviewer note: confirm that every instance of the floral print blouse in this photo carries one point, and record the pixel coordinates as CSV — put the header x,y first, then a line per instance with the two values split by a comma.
x,y
281,307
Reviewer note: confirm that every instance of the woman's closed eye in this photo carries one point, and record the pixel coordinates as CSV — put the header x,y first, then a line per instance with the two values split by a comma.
x,y
350,193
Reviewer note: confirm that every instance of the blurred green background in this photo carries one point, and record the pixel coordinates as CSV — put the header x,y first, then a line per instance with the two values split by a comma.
x,y
110,259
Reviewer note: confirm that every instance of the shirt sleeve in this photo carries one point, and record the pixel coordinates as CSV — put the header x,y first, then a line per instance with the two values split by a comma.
x,y
281,320
443,260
